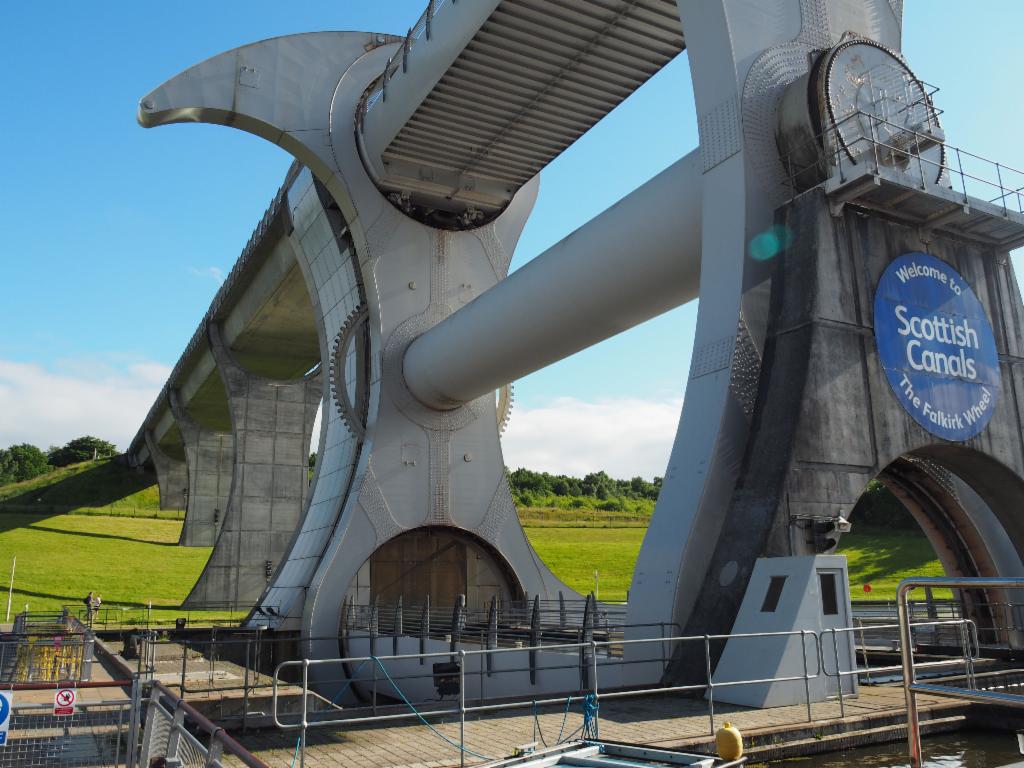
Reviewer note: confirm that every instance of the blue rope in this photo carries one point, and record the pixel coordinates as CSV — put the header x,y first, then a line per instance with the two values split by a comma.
x,y
351,679
590,708
565,715
536,720
589,727
423,719
295,757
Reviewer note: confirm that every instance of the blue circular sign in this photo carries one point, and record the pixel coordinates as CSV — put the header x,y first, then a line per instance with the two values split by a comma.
x,y
936,345
5,709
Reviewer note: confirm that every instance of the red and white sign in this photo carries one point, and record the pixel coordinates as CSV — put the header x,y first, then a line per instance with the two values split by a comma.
x,y
64,701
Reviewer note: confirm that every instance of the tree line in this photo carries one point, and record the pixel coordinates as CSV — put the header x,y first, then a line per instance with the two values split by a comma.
x,y
532,489
876,508
25,461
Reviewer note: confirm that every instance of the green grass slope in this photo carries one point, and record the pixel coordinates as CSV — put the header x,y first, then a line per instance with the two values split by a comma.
x,y
882,557
575,553
100,487
128,562
574,550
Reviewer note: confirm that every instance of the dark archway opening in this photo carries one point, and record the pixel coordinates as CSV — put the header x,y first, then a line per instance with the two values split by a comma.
x,y
921,493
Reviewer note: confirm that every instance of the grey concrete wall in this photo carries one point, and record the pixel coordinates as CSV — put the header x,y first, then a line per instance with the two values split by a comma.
x,y
210,463
825,421
171,475
272,424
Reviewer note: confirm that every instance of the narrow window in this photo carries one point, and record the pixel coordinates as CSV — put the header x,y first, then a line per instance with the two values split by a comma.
x,y
829,599
771,599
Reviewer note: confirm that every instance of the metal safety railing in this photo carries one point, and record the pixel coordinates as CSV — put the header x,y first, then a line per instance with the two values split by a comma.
x,y
965,631
47,647
462,666
956,169
172,731
911,686
421,30
99,730
226,614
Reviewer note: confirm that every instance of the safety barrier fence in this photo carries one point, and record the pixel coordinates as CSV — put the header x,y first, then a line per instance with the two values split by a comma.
x,y
969,690
997,623
524,614
452,671
889,145
501,624
239,660
176,731
45,648
112,617
421,30
99,730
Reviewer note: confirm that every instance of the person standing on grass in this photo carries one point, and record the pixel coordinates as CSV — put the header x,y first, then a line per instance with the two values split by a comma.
x,y
89,606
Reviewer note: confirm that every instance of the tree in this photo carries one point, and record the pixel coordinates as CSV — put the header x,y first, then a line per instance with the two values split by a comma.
x,y
877,507
81,449
312,460
21,462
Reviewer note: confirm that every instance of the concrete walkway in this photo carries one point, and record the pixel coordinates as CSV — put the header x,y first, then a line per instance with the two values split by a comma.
x,y
666,721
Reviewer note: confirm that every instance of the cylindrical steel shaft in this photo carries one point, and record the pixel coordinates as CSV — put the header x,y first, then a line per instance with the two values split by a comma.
x,y
636,260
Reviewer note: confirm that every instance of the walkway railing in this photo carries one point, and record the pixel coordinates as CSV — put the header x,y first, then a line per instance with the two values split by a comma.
x,y
452,670
911,687
100,729
420,30
170,727
46,647
956,169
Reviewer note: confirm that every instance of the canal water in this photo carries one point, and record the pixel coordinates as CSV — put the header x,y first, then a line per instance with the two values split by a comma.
x,y
966,749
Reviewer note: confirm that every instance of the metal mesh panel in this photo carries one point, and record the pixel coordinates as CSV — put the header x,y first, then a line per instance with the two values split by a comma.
x,y
158,732
164,738
93,736
190,753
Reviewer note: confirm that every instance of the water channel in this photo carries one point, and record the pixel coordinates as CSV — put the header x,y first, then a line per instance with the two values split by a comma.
x,y
964,749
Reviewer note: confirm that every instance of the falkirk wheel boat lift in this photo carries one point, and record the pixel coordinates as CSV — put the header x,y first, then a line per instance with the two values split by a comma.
x,y
859,318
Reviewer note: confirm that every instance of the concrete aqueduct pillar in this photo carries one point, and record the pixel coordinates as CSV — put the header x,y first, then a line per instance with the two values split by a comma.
x,y
272,422
171,475
210,458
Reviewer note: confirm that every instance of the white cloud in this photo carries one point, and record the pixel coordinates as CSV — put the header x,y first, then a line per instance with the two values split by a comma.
x,y
625,437
44,407
214,273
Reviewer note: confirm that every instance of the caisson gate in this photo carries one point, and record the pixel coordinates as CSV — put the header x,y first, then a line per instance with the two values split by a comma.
x,y
859,319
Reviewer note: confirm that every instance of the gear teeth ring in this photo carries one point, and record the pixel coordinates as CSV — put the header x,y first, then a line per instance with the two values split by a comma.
x,y
506,399
354,414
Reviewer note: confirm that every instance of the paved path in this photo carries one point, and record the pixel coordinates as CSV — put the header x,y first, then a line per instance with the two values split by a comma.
x,y
665,720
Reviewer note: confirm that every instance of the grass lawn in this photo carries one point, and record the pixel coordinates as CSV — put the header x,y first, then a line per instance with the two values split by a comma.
x,y
575,553
129,562
93,487
876,557
882,557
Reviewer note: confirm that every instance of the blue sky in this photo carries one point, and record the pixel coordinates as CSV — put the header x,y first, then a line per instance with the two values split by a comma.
x,y
115,238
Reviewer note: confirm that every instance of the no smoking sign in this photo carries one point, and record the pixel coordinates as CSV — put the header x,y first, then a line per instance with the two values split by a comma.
x,y
64,701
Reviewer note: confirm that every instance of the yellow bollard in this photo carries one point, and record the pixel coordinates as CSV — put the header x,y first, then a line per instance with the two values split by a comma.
x,y
729,743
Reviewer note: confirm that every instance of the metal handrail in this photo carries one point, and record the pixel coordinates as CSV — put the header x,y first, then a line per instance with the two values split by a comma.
x,y
216,733
588,651
834,151
910,685
421,29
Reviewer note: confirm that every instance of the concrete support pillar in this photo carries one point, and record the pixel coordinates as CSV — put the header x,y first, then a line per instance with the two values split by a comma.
x,y
171,475
272,423
210,461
